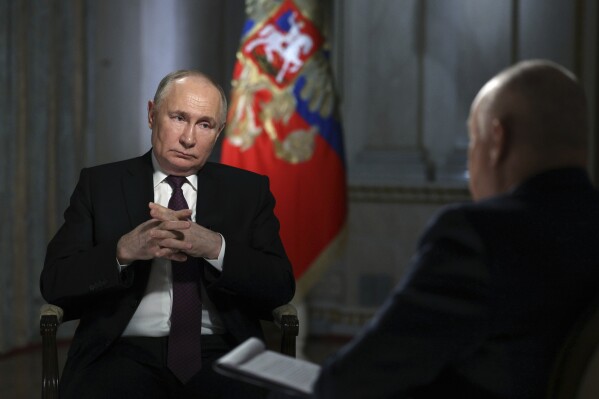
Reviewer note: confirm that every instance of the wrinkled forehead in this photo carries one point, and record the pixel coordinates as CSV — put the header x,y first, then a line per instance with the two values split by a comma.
x,y
191,84
198,92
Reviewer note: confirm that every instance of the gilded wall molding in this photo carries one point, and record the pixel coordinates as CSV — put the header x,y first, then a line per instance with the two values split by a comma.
x,y
338,321
408,194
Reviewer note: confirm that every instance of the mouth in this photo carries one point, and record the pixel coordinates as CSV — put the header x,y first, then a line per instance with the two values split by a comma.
x,y
183,155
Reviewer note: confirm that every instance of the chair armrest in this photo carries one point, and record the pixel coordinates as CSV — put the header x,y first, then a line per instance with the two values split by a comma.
x,y
285,317
52,310
50,319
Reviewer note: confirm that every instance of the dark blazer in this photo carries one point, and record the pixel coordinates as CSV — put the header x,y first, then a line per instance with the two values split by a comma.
x,y
81,275
489,296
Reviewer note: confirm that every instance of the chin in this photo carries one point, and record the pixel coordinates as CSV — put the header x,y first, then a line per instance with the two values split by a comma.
x,y
184,168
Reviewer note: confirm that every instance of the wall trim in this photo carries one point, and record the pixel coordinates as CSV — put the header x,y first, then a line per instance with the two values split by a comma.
x,y
408,194
328,320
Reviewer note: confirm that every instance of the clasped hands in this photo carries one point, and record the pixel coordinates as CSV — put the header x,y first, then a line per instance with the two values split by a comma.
x,y
169,234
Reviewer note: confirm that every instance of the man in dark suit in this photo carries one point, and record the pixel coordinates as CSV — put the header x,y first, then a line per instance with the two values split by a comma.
x,y
131,230
496,284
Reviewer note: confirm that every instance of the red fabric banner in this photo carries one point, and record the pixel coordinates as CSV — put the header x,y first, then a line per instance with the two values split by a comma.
x,y
283,123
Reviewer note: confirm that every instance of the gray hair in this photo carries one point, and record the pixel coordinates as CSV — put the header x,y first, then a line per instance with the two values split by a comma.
x,y
164,84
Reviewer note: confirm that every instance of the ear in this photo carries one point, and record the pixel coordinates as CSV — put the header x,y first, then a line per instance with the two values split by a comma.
x,y
499,142
150,113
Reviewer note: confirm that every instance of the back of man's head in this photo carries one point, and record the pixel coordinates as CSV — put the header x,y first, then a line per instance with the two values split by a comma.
x,y
545,100
541,110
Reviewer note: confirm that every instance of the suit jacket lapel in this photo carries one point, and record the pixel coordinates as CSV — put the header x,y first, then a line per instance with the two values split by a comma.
x,y
138,189
208,199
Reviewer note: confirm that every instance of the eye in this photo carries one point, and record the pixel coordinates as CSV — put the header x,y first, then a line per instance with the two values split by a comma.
x,y
205,125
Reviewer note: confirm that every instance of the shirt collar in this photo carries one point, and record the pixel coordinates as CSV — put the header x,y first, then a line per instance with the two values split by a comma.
x,y
159,175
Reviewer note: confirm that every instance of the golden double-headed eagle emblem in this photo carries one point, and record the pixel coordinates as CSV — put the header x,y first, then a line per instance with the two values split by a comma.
x,y
283,45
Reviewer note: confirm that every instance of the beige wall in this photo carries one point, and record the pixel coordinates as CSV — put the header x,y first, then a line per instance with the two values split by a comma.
x,y
406,71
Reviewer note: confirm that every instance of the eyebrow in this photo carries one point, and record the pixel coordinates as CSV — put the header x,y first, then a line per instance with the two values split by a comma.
x,y
203,118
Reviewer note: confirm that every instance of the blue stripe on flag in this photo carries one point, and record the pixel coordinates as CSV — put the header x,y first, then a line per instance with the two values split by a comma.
x,y
328,128
283,21
249,24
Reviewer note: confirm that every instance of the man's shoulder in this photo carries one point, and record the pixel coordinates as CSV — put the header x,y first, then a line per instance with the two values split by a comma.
x,y
121,165
459,209
222,170
499,209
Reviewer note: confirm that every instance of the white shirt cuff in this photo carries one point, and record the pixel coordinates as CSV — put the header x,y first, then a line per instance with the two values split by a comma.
x,y
218,263
121,267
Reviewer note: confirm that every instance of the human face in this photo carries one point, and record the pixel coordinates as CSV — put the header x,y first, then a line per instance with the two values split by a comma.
x,y
185,125
479,169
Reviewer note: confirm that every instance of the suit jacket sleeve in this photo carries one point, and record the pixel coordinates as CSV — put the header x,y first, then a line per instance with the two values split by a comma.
x,y
438,313
81,274
256,271
81,262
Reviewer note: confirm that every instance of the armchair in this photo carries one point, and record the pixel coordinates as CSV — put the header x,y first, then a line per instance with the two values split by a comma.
x,y
284,317
576,370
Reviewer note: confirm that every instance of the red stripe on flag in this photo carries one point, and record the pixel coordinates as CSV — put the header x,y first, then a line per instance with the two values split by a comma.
x,y
266,135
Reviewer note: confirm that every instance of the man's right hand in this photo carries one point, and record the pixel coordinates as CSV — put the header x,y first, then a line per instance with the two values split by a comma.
x,y
142,244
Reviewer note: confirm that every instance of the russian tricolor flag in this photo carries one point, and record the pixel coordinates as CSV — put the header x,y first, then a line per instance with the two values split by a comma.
x,y
283,123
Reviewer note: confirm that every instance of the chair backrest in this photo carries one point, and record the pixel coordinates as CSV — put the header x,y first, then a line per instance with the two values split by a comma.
x,y
576,372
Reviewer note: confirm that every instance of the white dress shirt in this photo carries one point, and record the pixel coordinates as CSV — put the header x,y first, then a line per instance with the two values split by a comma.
x,y
152,317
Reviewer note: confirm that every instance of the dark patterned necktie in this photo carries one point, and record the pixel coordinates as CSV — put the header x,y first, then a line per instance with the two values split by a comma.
x,y
184,357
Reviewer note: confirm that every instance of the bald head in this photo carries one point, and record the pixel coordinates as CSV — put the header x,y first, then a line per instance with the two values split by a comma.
x,y
541,99
532,116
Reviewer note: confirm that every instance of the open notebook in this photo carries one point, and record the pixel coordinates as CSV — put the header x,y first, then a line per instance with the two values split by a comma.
x,y
253,363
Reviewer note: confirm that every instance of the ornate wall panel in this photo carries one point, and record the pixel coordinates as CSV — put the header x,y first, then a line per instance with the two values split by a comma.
x,y
408,72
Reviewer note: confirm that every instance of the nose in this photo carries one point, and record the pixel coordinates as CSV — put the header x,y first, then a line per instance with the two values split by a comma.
x,y
187,138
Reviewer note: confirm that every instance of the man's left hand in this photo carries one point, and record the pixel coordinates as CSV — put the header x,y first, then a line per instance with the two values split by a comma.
x,y
196,241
